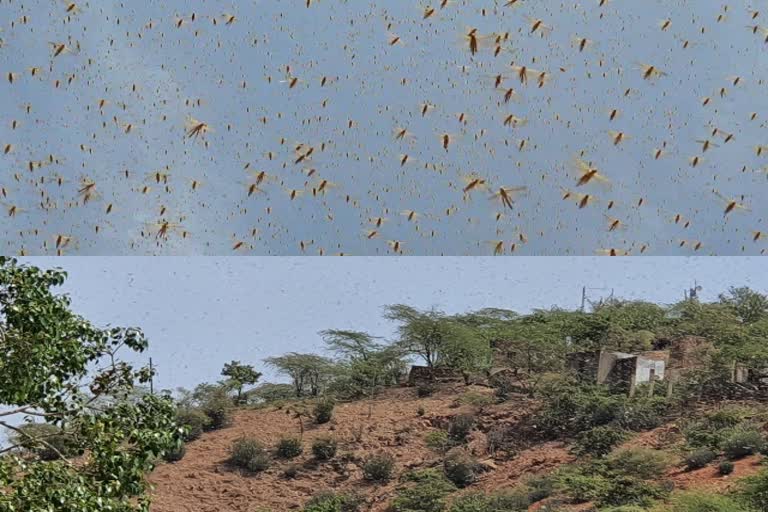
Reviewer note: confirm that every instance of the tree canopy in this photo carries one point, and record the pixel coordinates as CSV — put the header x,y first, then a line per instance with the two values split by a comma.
x,y
60,368
240,375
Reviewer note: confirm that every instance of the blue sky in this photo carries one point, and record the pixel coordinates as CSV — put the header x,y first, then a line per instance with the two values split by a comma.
x,y
133,55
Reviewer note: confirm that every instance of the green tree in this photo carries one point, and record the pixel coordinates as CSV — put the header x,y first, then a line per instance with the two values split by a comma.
x,y
240,375
749,305
310,373
351,345
50,355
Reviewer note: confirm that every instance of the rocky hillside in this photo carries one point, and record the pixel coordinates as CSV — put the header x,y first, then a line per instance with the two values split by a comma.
x,y
398,423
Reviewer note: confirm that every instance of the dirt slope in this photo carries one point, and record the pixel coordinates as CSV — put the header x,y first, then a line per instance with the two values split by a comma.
x,y
202,482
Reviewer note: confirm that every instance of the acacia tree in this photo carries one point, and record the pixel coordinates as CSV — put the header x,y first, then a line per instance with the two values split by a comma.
x,y
309,372
351,345
749,305
240,375
57,366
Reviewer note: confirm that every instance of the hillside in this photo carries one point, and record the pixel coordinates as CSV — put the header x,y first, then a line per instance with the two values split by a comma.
x,y
203,482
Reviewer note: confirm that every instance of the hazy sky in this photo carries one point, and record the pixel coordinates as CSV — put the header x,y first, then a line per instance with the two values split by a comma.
x,y
152,73
200,313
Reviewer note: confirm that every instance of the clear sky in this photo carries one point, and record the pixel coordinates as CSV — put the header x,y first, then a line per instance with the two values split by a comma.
x,y
200,313
151,62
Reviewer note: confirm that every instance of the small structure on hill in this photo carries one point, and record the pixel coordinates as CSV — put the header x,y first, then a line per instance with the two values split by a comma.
x,y
421,375
620,369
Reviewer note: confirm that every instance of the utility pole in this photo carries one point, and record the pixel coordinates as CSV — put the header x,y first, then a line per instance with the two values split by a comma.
x,y
583,297
151,378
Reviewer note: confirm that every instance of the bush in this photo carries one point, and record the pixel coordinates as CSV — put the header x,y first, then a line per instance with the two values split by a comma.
x,y
194,420
642,463
324,411
289,447
324,448
218,407
514,501
742,443
503,388
711,430
438,440
378,468
427,492
333,502
52,435
420,411
754,490
425,390
582,487
460,468
725,467
249,454
599,441
539,487
291,472
644,413
698,501
699,458
626,477
176,454
501,438
460,427
476,399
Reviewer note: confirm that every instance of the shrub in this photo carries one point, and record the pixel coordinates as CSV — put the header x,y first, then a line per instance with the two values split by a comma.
x,y
460,468
643,413
725,467
711,430
514,501
55,438
624,478
539,487
460,427
438,440
324,411
249,454
699,458
742,443
582,487
476,399
333,502
420,411
194,420
642,463
291,472
599,441
218,407
699,501
754,490
425,390
324,448
176,454
501,438
427,492
289,447
378,468
476,502
503,388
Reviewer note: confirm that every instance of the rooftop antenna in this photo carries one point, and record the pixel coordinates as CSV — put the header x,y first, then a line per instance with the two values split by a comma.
x,y
693,293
